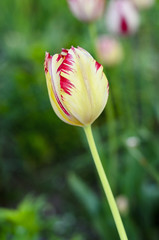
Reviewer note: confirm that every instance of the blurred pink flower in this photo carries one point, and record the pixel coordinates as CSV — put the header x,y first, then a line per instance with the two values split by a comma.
x,y
142,4
87,10
109,50
122,17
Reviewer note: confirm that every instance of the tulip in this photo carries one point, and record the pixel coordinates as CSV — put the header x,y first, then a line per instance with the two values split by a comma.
x,y
142,4
87,10
78,91
77,86
122,17
109,50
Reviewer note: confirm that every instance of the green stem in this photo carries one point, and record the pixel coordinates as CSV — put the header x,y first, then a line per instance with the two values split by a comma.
x,y
110,114
105,184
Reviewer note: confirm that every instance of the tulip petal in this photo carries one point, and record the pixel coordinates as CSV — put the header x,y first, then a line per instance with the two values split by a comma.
x,y
87,11
85,83
51,65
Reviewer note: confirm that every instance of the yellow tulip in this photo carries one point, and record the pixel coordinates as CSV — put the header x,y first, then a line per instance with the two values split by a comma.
x,y
78,88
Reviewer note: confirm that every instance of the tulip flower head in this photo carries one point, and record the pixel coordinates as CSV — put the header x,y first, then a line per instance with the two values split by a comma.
x,y
142,4
87,10
77,86
122,17
109,50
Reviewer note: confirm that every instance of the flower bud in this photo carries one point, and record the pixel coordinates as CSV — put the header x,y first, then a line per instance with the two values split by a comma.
x,y
109,50
122,17
87,10
142,4
77,86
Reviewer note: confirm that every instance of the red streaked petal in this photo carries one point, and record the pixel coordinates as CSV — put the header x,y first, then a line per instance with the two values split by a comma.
x,y
68,60
58,58
97,65
66,85
89,93
55,92
66,67
64,52
48,57
124,25
54,89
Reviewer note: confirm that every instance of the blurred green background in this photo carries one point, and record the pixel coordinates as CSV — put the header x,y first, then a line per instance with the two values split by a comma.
x,y
49,188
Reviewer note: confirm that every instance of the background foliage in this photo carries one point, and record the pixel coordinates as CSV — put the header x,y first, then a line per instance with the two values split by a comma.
x,y
42,156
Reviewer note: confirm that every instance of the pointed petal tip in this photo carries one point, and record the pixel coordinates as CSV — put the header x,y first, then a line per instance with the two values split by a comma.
x,y
97,65
47,55
47,59
73,48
